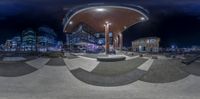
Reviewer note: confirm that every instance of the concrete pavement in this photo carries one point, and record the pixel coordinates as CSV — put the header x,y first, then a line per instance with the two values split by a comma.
x,y
59,83
84,63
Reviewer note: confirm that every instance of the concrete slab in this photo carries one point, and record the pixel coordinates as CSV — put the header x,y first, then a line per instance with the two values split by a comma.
x,y
193,68
118,68
109,81
133,57
15,69
145,66
70,64
59,83
198,61
84,63
14,59
88,58
38,63
165,71
56,62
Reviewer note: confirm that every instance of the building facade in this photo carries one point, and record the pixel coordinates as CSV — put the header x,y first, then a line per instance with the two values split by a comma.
x,y
147,44
46,39
83,40
28,40
8,45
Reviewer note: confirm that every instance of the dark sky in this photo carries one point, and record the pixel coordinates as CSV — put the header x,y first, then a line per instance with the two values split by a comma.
x,y
175,21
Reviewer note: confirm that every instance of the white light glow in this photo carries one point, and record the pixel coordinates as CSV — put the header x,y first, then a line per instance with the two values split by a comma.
x,y
108,23
70,22
100,9
142,18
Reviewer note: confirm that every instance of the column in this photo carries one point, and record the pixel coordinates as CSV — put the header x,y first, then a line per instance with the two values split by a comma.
x,y
114,42
117,41
107,38
121,41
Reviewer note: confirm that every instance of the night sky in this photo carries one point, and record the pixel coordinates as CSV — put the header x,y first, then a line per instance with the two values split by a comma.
x,y
176,22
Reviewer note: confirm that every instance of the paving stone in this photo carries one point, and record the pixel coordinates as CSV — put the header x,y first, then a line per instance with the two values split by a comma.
x,y
100,80
15,69
193,68
164,71
56,62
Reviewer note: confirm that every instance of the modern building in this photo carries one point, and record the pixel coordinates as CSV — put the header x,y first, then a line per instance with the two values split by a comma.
x,y
147,44
105,18
196,48
28,40
46,39
12,44
2,47
8,45
16,43
83,40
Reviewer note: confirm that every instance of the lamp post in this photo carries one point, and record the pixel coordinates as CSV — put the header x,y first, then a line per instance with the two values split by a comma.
x,y
107,38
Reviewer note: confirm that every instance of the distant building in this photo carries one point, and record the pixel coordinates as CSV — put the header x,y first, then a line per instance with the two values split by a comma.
x,y
1,47
16,43
48,36
83,40
59,44
8,45
12,44
46,39
28,40
147,44
195,48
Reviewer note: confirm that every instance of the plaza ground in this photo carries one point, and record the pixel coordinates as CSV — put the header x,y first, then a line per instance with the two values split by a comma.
x,y
52,78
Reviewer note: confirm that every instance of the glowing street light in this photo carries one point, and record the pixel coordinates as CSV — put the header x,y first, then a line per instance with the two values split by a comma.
x,y
142,18
125,27
70,22
107,23
100,9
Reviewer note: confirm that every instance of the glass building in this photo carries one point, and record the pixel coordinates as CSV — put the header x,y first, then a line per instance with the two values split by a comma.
x,y
84,40
46,39
16,43
28,40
